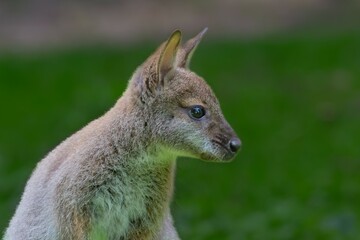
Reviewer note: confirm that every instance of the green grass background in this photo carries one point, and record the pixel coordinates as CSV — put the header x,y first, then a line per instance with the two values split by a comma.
x,y
294,102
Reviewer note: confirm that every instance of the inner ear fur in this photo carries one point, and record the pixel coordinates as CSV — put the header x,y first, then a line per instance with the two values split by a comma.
x,y
168,55
186,51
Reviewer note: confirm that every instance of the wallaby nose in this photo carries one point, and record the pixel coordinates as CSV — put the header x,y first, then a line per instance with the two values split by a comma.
x,y
235,144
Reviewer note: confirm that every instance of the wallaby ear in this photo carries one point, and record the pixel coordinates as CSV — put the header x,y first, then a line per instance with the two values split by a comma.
x,y
187,50
168,55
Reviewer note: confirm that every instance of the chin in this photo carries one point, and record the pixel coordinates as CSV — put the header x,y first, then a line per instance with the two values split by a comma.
x,y
221,157
216,154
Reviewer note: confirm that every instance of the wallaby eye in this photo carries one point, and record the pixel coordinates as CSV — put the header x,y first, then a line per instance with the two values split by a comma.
x,y
197,112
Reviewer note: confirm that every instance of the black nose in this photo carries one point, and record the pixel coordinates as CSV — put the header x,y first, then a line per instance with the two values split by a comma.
x,y
235,144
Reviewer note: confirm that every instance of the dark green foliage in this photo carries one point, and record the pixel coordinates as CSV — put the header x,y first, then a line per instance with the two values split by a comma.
x,y
295,103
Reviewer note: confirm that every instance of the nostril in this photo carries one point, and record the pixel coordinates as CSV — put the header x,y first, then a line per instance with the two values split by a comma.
x,y
235,144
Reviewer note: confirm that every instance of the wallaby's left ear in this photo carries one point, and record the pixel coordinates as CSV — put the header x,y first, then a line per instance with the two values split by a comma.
x,y
168,55
187,50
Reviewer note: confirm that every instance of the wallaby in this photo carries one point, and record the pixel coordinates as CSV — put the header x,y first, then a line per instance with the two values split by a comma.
x,y
114,178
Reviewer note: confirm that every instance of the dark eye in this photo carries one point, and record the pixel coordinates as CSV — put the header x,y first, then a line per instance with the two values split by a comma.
x,y
197,112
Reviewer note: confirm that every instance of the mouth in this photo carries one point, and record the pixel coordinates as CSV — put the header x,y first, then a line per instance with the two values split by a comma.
x,y
224,153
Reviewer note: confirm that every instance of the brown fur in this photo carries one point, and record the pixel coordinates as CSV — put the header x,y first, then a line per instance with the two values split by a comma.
x,y
115,176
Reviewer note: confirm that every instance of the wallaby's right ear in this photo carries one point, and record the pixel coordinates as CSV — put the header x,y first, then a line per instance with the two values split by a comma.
x,y
187,50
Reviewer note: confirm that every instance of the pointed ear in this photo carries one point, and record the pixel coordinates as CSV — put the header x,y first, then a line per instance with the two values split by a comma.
x,y
187,50
168,55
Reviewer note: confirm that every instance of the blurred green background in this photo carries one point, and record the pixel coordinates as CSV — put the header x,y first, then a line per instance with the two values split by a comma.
x,y
293,97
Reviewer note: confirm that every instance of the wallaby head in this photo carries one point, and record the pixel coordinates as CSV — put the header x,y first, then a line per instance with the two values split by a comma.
x,y
182,110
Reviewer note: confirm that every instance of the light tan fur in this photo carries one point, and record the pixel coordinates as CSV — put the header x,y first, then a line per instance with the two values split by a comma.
x,y
113,179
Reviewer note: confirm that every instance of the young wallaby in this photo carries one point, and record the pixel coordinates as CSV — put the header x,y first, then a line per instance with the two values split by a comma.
x,y
114,178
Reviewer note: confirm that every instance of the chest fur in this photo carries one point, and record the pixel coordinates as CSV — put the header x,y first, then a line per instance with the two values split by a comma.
x,y
133,202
